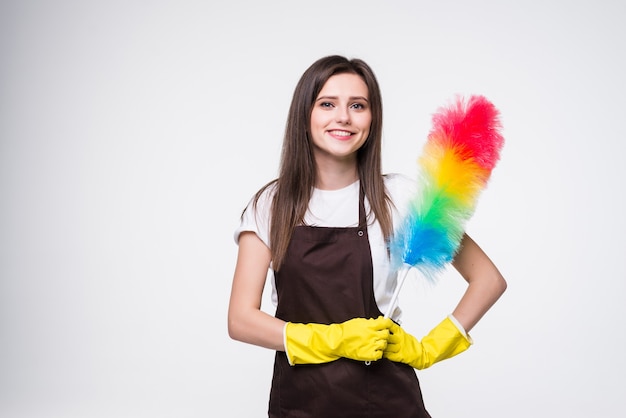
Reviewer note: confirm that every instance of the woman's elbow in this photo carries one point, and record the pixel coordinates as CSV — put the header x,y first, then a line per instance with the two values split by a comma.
x,y
500,285
234,327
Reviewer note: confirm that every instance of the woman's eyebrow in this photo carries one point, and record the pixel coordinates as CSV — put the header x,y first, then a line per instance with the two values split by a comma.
x,y
335,98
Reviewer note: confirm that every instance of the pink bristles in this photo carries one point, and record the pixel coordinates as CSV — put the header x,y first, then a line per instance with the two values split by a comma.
x,y
473,123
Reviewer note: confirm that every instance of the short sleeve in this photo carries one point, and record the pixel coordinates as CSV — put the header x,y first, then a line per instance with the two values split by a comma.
x,y
402,190
256,217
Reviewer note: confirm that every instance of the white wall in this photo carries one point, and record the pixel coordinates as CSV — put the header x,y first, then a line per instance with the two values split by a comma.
x,y
132,134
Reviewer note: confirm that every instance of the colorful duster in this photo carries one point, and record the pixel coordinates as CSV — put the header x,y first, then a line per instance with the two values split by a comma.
x,y
462,149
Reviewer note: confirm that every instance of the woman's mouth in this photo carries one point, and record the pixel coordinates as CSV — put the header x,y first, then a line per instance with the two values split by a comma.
x,y
340,134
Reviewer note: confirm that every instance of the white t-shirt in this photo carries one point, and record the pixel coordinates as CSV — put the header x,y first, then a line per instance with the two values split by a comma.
x,y
340,208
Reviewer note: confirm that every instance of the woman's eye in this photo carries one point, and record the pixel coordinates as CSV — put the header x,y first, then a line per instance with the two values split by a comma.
x,y
326,104
358,106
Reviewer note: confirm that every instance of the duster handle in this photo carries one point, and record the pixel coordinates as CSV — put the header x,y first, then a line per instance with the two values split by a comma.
x,y
402,273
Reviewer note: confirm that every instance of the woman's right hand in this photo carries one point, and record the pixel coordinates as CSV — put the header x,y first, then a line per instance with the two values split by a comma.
x,y
358,339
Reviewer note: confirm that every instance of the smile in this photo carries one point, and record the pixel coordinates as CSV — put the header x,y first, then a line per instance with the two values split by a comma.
x,y
340,133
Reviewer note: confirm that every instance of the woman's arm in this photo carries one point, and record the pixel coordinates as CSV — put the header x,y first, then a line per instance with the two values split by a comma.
x,y
246,321
486,284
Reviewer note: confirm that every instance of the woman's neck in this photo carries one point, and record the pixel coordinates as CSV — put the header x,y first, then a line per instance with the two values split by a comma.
x,y
335,177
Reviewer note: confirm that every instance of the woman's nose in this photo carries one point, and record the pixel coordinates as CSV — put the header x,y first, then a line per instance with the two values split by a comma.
x,y
343,116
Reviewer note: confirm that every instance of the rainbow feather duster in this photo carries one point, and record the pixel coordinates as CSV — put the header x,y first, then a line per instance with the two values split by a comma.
x,y
460,153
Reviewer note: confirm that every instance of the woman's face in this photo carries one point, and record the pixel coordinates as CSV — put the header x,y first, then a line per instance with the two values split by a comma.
x,y
341,118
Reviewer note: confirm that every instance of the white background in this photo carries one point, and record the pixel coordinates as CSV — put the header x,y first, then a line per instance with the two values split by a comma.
x,y
133,133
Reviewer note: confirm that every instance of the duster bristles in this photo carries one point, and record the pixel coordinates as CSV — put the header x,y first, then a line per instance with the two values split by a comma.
x,y
462,149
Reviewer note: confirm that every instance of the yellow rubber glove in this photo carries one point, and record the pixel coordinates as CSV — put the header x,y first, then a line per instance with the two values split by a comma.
x,y
443,342
358,339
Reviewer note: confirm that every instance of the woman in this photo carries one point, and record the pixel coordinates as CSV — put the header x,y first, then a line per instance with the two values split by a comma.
x,y
322,229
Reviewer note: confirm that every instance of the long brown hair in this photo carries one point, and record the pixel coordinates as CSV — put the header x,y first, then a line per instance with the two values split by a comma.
x,y
297,174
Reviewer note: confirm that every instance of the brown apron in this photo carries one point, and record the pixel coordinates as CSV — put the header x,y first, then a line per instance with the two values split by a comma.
x,y
327,277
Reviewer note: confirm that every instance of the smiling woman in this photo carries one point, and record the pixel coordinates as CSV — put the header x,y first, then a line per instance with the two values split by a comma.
x,y
322,228
340,124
